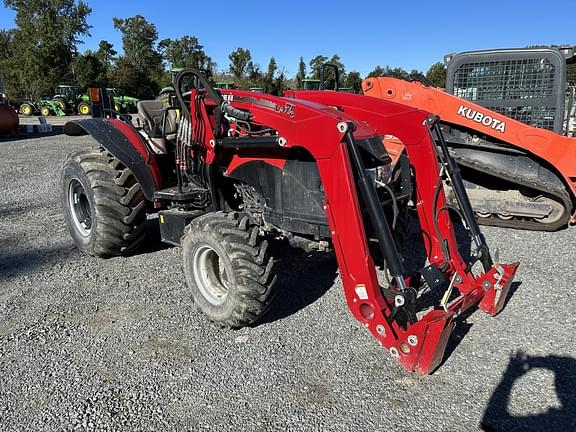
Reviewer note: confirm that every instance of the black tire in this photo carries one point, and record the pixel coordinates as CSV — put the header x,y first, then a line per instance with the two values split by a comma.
x,y
228,269
104,206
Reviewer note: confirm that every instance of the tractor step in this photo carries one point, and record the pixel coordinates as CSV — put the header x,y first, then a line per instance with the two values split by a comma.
x,y
173,222
172,194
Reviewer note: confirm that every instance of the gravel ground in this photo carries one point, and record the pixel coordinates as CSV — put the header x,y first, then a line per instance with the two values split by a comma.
x,y
53,120
116,344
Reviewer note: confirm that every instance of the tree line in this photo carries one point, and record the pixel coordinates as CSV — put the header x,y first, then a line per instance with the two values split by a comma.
x,y
41,51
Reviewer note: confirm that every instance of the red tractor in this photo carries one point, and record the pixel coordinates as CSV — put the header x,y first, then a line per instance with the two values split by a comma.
x,y
237,167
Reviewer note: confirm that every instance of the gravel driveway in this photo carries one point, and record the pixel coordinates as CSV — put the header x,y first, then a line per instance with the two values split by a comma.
x,y
116,344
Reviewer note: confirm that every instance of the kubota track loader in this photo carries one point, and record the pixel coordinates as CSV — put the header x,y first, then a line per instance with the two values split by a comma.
x,y
510,138
237,168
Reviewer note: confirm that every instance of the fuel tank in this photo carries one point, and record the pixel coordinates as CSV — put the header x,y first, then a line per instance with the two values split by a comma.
x,y
8,119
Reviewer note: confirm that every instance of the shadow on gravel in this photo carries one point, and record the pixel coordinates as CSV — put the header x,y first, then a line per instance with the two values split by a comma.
x,y
153,241
14,264
302,278
56,130
463,326
497,416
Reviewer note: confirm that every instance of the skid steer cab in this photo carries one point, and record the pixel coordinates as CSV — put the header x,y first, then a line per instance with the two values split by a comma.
x,y
226,171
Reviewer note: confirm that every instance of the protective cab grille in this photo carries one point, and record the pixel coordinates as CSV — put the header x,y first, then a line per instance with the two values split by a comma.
x,y
521,85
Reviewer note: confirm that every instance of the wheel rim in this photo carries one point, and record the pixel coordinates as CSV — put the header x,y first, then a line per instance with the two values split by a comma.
x,y
84,109
26,109
80,208
210,275
45,111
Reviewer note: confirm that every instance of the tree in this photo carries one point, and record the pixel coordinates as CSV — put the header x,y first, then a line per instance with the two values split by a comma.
x,y
354,81
254,74
7,73
396,72
437,75
106,53
139,70
329,77
279,84
377,72
393,72
43,45
301,75
240,61
269,77
186,52
571,74
416,75
90,71
316,66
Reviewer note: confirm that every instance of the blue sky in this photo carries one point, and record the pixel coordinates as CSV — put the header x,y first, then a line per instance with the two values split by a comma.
x,y
411,35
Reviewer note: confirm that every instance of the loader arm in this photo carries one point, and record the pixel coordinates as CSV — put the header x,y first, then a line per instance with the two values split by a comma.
x,y
411,127
556,150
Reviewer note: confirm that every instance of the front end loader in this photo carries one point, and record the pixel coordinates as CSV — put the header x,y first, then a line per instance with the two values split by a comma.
x,y
238,168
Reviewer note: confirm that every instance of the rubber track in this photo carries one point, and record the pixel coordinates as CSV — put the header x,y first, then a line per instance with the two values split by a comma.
x,y
545,188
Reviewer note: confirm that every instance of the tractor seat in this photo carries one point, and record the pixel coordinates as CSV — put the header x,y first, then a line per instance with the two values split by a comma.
x,y
159,122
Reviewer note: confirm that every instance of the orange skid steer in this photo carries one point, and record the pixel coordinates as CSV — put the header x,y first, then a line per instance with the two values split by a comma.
x,y
517,175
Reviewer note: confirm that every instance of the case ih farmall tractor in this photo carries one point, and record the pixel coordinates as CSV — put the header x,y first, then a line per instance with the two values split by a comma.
x,y
237,168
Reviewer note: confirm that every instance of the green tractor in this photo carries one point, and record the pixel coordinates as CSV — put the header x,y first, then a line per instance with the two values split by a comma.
x,y
71,100
45,107
123,103
225,85
310,84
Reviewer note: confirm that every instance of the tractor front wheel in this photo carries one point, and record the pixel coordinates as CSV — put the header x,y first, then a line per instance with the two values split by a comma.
x,y
104,206
228,269
26,109
84,108
45,111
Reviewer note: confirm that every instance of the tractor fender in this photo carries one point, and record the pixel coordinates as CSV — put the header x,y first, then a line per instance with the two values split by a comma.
x,y
124,142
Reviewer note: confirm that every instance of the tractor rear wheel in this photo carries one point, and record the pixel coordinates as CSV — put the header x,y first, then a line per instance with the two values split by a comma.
x,y
84,108
104,206
228,269
61,102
